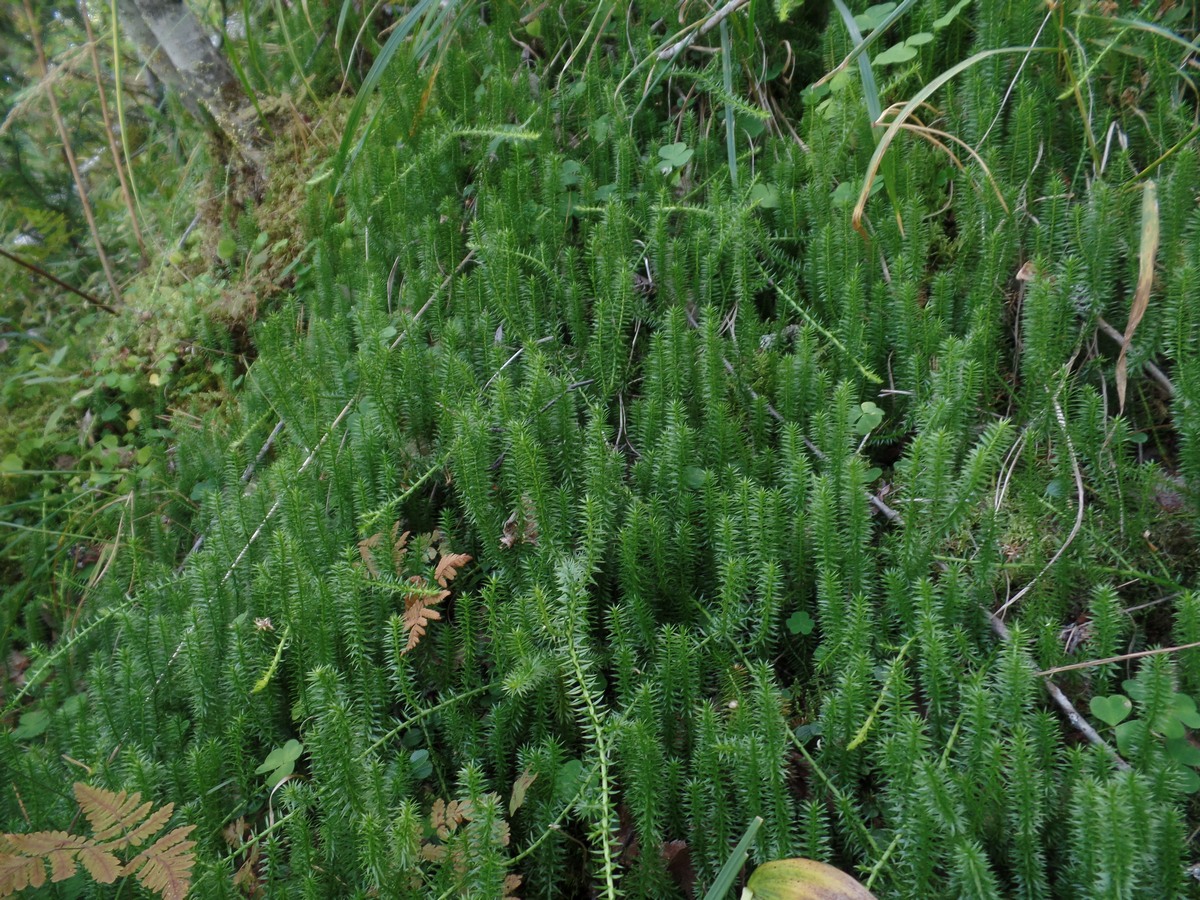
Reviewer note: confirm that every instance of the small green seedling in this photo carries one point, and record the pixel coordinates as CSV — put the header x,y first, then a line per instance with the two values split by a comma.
x,y
765,195
1170,725
31,725
673,156
865,418
800,622
280,762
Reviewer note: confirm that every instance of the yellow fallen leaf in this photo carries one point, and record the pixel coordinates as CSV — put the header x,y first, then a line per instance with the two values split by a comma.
x,y
803,879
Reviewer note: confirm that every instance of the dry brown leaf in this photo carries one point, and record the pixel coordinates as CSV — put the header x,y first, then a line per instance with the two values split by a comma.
x,y
232,833
166,865
365,546
513,535
20,872
112,815
100,864
1147,252
511,883
445,817
247,877
118,820
399,544
437,817
520,786
508,537
448,566
419,612
368,547
433,852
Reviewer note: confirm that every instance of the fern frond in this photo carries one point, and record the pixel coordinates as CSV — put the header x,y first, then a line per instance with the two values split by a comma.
x,y
166,865
118,820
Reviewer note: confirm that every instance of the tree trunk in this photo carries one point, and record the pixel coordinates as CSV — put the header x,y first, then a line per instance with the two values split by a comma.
x,y
177,49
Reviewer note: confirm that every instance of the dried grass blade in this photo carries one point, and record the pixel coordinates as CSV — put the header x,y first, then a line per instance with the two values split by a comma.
x,y
909,108
1147,252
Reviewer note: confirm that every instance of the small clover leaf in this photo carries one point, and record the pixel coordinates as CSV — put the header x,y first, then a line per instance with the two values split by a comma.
x,y
1183,751
1189,781
566,782
600,129
865,417
765,195
422,766
1130,736
896,54
1111,710
951,15
800,622
873,16
1183,708
570,174
808,731
280,762
674,156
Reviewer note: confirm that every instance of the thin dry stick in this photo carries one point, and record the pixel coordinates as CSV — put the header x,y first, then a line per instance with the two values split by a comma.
x,y
35,33
1062,422
37,270
1151,369
1122,658
111,135
1081,724
705,27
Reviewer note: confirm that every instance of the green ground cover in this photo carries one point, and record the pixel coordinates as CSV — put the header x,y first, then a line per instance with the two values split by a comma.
x,y
637,443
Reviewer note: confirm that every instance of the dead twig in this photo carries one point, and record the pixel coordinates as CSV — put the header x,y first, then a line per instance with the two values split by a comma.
x,y
1151,369
80,186
110,134
37,270
1064,703
1091,663
704,27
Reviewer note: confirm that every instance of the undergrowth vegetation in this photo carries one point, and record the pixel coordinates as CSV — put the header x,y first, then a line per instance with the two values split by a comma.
x,y
657,422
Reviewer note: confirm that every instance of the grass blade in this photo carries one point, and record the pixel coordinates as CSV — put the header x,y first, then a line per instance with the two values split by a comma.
x,y
870,88
733,865
730,137
401,31
909,108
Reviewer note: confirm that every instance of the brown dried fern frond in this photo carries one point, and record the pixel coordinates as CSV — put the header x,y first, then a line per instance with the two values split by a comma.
x,y
166,865
118,821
